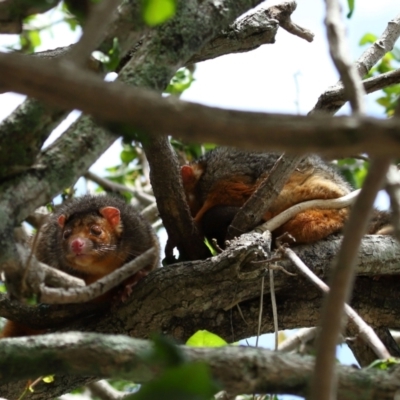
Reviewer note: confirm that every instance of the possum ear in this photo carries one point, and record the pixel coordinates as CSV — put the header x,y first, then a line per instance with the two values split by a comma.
x,y
187,174
61,220
111,214
190,175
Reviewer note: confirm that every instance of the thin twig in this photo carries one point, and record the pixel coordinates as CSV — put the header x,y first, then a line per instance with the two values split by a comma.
x,y
339,53
364,330
282,13
393,190
369,58
144,198
302,336
100,17
260,313
105,391
289,213
323,383
274,308
101,286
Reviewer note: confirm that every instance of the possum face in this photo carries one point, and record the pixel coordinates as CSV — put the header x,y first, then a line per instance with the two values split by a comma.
x,y
90,242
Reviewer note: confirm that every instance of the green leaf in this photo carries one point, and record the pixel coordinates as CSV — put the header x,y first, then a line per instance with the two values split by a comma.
x,y
186,382
368,38
351,8
180,82
156,12
114,56
164,352
383,101
48,379
204,338
128,155
384,364
210,247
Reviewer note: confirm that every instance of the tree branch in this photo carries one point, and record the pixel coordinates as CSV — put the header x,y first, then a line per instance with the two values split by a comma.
x,y
334,96
282,13
363,329
13,12
258,204
231,278
245,34
255,370
101,15
197,123
323,385
371,56
339,53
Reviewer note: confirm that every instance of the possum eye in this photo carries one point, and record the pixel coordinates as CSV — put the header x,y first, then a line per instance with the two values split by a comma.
x,y
67,233
95,230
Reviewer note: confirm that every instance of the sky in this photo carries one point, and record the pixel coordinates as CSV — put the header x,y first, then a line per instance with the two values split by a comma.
x,y
286,77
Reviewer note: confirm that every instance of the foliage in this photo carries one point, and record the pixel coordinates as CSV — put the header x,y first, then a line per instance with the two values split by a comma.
x,y
156,12
180,82
205,338
389,62
179,379
351,4
384,365
354,170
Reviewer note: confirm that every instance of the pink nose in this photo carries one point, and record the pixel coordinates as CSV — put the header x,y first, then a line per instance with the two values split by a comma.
x,y
77,245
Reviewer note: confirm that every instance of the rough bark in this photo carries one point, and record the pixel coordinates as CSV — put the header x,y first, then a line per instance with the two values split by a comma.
x,y
238,369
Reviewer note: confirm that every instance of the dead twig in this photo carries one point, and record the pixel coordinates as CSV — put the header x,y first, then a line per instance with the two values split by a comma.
x,y
103,285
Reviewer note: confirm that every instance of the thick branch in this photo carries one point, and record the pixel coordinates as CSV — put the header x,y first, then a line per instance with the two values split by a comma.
x,y
240,370
231,278
22,135
257,205
171,202
245,34
193,122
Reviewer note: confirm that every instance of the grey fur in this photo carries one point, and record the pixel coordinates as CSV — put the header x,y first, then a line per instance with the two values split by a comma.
x,y
137,235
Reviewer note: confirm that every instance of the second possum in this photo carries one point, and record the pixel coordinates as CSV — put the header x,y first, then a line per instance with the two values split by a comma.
x,y
90,237
220,182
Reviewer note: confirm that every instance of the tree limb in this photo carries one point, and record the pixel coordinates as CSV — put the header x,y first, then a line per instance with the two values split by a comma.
x,y
13,12
370,57
260,201
240,370
198,123
245,34
101,15
340,55
282,13
342,279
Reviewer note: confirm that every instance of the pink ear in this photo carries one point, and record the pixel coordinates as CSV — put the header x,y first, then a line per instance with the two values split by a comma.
x,y
61,220
111,214
187,174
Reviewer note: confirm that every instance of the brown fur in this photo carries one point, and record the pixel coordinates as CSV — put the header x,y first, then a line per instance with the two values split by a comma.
x,y
225,178
111,233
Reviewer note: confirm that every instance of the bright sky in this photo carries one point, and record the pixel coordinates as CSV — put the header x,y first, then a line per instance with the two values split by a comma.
x,y
264,79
